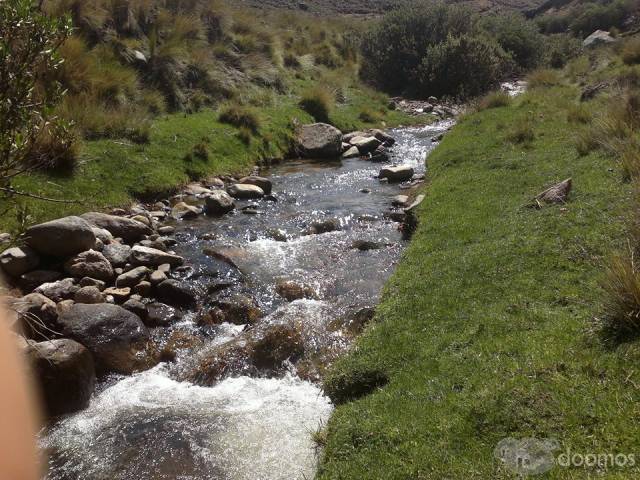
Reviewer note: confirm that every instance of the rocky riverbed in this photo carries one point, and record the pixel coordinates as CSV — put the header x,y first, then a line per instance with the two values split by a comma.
x,y
187,337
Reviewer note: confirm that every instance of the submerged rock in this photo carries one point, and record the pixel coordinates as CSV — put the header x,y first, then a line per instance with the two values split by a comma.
x,y
400,173
64,373
116,338
290,290
176,293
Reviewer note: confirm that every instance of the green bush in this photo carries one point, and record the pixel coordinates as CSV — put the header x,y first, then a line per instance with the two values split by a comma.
x,y
462,66
494,100
596,16
317,102
631,52
518,37
241,117
560,49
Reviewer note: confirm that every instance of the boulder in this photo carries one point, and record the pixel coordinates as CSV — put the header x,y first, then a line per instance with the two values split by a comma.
x,y
245,191
143,289
386,139
62,237
218,202
325,226
157,277
120,227
64,306
238,309
57,291
92,282
90,264
137,307
116,338
352,152
151,257
196,189
320,140
290,290
65,374
275,346
161,315
18,261
117,254
89,295
176,293
400,173
118,295
400,201
31,280
347,137
132,277
103,235
556,194
264,183
166,230
599,37
184,211
380,155
365,144
37,315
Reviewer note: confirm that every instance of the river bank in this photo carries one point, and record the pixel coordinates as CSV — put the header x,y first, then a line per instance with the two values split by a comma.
x,y
487,329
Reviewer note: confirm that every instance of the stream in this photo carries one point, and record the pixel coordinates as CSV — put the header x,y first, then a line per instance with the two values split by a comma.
x,y
158,425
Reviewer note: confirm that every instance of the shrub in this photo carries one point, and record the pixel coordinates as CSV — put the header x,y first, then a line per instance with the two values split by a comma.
x,y
543,77
522,132
595,16
462,66
518,37
622,296
244,135
326,55
494,100
201,150
560,49
586,142
631,52
368,115
56,149
554,23
240,117
317,102
579,114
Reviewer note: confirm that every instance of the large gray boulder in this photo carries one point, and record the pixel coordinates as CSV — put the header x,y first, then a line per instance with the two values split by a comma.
x,y
218,202
62,237
400,173
116,338
117,253
320,140
152,257
18,261
90,264
245,191
264,183
365,144
599,37
127,229
65,374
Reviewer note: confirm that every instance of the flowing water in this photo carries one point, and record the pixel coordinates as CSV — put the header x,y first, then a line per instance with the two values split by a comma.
x,y
154,425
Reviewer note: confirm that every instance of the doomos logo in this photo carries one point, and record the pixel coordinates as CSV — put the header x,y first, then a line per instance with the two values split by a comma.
x,y
527,456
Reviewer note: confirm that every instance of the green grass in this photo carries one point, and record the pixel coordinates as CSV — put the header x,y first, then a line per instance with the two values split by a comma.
x,y
485,329
116,172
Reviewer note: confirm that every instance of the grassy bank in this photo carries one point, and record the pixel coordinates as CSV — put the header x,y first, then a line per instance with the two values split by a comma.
x,y
486,329
183,147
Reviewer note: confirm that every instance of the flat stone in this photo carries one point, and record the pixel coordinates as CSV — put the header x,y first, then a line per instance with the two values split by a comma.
x,y
151,257
400,173
245,192
62,237
132,277
120,227
19,260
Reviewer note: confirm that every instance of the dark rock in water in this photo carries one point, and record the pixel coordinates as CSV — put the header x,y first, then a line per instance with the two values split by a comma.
x,y
177,294
228,359
90,264
276,345
138,308
117,254
386,139
120,227
239,309
218,203
62,237
277,234
179,340
60,290
162,315
31,280
18,261
65,374
365,144
380,155
365,245
320,140
116,338
183,211
290,290
264,183
325,226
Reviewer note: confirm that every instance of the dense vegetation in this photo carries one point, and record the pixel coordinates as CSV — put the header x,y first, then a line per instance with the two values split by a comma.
x,y
583,18
495,324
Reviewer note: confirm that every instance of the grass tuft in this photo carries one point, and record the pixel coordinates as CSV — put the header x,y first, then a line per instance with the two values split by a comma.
x,y
494,100
317,102
241,117
631,52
